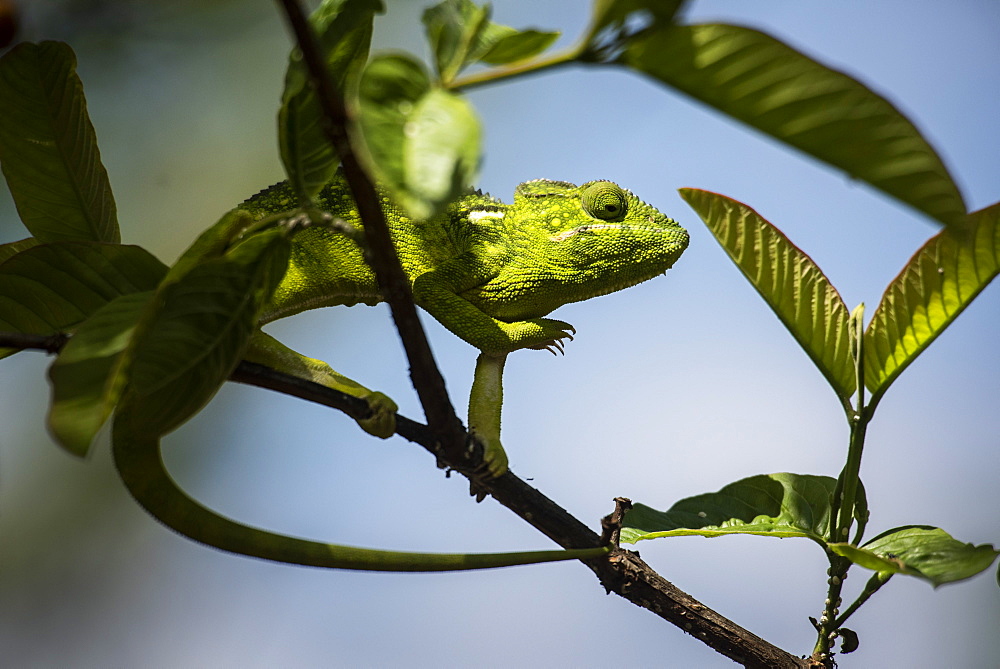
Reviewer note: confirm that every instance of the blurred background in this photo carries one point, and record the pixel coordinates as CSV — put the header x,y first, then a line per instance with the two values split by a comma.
x,y
672,388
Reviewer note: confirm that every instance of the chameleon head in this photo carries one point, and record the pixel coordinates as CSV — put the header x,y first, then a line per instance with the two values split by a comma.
x,y
587,241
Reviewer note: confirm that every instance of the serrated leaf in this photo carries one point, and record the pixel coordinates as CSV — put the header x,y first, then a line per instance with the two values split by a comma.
x,y
934,287
789,281
759,80
190,342
926,552
775,505
423,142
48,147
88,376
50,288
344,29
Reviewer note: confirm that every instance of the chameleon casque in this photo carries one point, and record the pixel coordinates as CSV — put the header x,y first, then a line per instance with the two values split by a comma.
x,y
488,271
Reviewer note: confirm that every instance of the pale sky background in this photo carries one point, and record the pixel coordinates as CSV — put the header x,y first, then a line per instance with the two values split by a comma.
x,y
672,388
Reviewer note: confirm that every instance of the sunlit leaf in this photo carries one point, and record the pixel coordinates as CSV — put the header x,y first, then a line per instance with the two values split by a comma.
x,y
344,30
827,114
775,505
935,286
789,281
48,148
88,376
423,142
926,552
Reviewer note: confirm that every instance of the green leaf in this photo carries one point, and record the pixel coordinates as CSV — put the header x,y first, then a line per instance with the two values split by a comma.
x,y
775,505
13,248
423,142
344,28
935,286
454,30
194,336
460,33
48,148
89,374
789,281
926,552
827,114
509,45
52,287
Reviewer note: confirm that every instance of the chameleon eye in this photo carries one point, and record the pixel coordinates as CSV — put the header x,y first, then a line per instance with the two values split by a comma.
x,y
604,200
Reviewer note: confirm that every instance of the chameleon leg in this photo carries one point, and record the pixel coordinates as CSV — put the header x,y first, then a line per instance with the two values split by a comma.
x,y
484,410
266,350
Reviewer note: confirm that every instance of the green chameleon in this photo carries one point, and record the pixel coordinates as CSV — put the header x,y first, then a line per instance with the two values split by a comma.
x,y
488,271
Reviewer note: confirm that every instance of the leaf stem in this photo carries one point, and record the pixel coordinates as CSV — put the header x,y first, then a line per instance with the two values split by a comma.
x,y
827,622
871,587
567,57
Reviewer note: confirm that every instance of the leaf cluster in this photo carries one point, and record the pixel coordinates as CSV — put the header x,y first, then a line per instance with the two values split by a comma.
x,y
157,342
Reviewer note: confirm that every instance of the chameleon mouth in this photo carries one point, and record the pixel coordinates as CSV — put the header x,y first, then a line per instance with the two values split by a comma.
x,y
590,227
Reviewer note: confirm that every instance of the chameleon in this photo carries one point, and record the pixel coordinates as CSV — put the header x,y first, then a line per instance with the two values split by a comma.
x,y
489,272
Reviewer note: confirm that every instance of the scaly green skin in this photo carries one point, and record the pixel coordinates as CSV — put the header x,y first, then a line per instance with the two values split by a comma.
x,y
488,271
138,458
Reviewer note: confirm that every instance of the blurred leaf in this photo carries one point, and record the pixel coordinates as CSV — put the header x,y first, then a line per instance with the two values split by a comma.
x,y
192,338
789,281
424,142
774,88
926,552
344,29
935,286
616,14
513,45
13,248
89,374
460,33
50,288
48,148
776,505
455,30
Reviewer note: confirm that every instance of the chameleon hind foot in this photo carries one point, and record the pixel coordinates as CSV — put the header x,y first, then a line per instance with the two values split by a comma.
x,y
382,422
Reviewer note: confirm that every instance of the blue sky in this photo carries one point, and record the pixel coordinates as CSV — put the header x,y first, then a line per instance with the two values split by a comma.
x,y
672,388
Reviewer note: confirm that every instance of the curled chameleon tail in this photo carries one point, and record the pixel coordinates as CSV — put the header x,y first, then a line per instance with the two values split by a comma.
x,y
140,463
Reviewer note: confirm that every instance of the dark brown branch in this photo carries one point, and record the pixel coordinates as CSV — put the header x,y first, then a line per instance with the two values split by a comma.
x,y
395,288
623,572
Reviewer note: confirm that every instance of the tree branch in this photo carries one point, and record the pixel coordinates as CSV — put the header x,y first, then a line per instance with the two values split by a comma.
x,y
395,288
623,572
